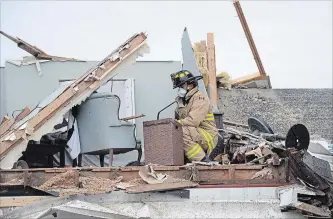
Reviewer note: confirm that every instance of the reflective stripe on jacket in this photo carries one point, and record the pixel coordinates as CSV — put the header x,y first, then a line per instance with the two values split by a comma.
x,y
197,112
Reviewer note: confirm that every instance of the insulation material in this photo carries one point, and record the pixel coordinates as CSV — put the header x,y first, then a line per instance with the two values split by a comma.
x,y
224,80
200,53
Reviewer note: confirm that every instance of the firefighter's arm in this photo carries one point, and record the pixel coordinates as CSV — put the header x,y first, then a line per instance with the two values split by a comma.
x,y
197,113
180,109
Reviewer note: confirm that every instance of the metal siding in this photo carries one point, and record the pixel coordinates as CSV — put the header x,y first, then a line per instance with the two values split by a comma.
x,y
27,88
153,89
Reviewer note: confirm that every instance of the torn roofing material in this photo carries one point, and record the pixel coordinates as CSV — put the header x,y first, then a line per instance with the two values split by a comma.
x,y
61,101
33,50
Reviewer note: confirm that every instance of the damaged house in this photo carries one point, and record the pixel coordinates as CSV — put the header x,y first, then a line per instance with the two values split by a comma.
x,y
100,119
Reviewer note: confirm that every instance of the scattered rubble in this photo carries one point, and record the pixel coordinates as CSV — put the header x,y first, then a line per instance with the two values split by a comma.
x,y
265,173
69,183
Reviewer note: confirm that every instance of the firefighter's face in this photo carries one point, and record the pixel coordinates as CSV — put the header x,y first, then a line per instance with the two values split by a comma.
x,y
187,86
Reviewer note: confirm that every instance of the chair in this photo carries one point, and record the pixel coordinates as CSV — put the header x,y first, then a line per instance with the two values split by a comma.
x,y
101,132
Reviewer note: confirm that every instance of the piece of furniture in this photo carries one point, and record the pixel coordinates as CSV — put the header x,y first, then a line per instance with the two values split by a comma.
x,y
164,142
41,155
101,132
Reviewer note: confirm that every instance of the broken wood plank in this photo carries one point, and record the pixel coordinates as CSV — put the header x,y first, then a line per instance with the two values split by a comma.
x,y
23,114
311,209
161,187
5,118
205,174
235,124
246,78
212,88
249,37
132,117
6,125
82,86
33,50
53,106
19,201
5,145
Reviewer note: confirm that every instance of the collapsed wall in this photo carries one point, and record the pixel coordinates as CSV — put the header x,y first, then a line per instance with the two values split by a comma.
x,y
282,108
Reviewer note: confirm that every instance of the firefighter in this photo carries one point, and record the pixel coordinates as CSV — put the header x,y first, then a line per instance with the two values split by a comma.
x,y
194,113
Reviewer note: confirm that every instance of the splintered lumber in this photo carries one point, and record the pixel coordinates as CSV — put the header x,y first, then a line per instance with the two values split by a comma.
x,y
161,187
19,201
211,69
79,90
33,50
5,118
311,209
6,125
226,174
235,124
249,37
14,138
132,117
23,114
247,78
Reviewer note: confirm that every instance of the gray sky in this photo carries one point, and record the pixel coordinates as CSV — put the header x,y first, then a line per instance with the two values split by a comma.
x,y
294,38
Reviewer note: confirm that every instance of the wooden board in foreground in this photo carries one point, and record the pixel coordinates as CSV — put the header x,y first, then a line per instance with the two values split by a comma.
x,y
161,187
19,201
208,175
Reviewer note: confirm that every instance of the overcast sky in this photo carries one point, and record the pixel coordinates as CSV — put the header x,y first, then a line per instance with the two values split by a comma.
x,y
294,38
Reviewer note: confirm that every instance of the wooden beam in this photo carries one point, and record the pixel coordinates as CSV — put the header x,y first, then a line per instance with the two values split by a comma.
x,y
132,117
19,201
5,118
247,78
161,187
227,174
81,86
9,37
33,50
249,37
6,145
6,125
23,114
212,88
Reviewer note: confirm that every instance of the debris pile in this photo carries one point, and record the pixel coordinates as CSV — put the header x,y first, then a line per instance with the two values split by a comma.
x,y
246,148
260,145
69,183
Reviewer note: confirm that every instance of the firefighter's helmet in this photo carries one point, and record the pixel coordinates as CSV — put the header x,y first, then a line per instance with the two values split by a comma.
x,y
182,77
